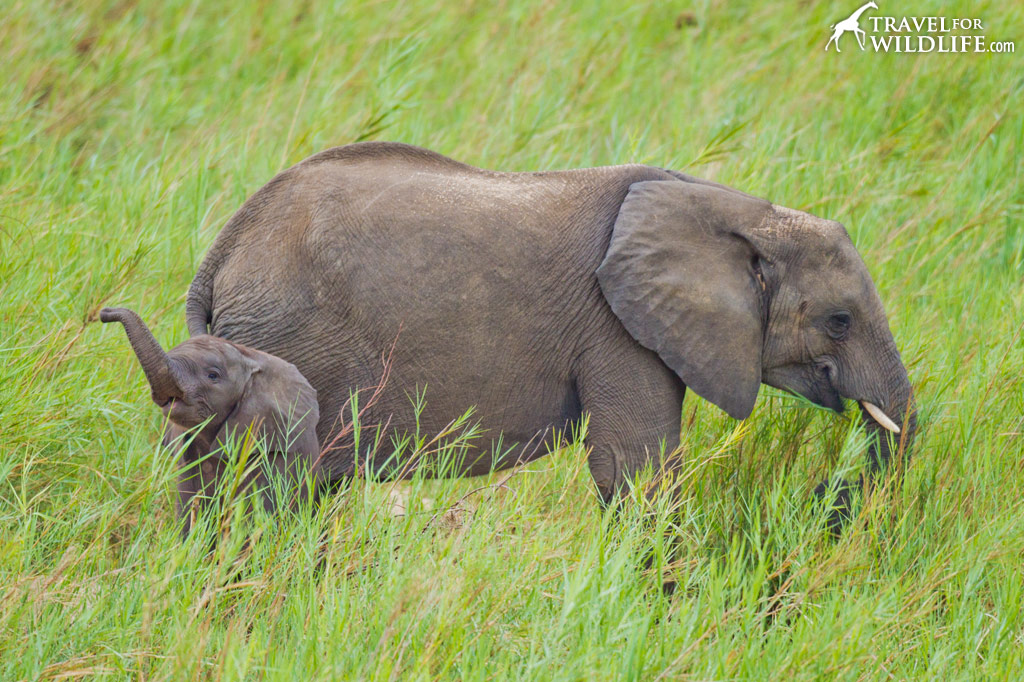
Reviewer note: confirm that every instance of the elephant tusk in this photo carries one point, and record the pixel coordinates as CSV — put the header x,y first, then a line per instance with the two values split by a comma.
x,y
876,413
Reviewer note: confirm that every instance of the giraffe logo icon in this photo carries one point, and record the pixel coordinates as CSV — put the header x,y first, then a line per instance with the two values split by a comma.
x,y
850,24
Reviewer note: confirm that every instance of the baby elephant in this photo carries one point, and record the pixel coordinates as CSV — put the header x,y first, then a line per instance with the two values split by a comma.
x,y
232,389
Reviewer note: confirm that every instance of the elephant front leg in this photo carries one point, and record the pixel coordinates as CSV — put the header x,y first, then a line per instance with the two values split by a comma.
x,y
635,406
202,476
187,450
199,484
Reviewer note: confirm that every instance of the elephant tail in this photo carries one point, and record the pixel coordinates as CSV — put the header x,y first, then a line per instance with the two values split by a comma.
x,y
265,207
199,302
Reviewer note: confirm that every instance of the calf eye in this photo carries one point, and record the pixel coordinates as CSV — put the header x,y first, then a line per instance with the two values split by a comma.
x,y
212,376
838,325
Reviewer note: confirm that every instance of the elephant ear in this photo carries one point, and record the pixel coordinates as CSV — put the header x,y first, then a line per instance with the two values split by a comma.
x,y
682,274
279,405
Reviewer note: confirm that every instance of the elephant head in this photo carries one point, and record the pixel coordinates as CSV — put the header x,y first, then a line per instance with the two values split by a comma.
x,y
232,386
732,291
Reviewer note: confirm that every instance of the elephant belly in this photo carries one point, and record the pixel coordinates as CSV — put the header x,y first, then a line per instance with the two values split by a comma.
x,y
502,417
518,398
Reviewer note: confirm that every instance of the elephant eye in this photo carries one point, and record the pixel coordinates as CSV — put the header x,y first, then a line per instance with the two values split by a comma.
x,y
212,376
838,325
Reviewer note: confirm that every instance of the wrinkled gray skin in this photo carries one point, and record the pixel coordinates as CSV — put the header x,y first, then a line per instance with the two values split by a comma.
x,y
537,297
235,388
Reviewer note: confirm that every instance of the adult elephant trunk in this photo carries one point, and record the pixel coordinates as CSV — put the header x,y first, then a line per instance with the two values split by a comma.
x,y
152,357
890,418
893,421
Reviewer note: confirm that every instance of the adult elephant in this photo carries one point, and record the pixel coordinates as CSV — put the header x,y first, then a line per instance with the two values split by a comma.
x,y
538,297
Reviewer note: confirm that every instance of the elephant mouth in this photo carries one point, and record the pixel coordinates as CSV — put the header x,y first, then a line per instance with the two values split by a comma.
x,y
177,408
827,393
187,413
812,382
832,400
165,403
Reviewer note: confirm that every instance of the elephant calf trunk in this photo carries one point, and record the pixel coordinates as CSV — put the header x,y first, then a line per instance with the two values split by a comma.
x,y
152,357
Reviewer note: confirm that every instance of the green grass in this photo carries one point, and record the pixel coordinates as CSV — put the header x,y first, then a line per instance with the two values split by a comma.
x,y
130,132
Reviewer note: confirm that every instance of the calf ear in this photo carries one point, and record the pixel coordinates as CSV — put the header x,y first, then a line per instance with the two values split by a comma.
x,y
278,405
681,275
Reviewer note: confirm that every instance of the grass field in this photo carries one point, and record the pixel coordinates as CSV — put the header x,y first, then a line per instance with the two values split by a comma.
x,y
129,133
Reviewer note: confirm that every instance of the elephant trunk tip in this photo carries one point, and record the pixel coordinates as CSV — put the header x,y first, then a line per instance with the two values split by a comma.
x,y
112,314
